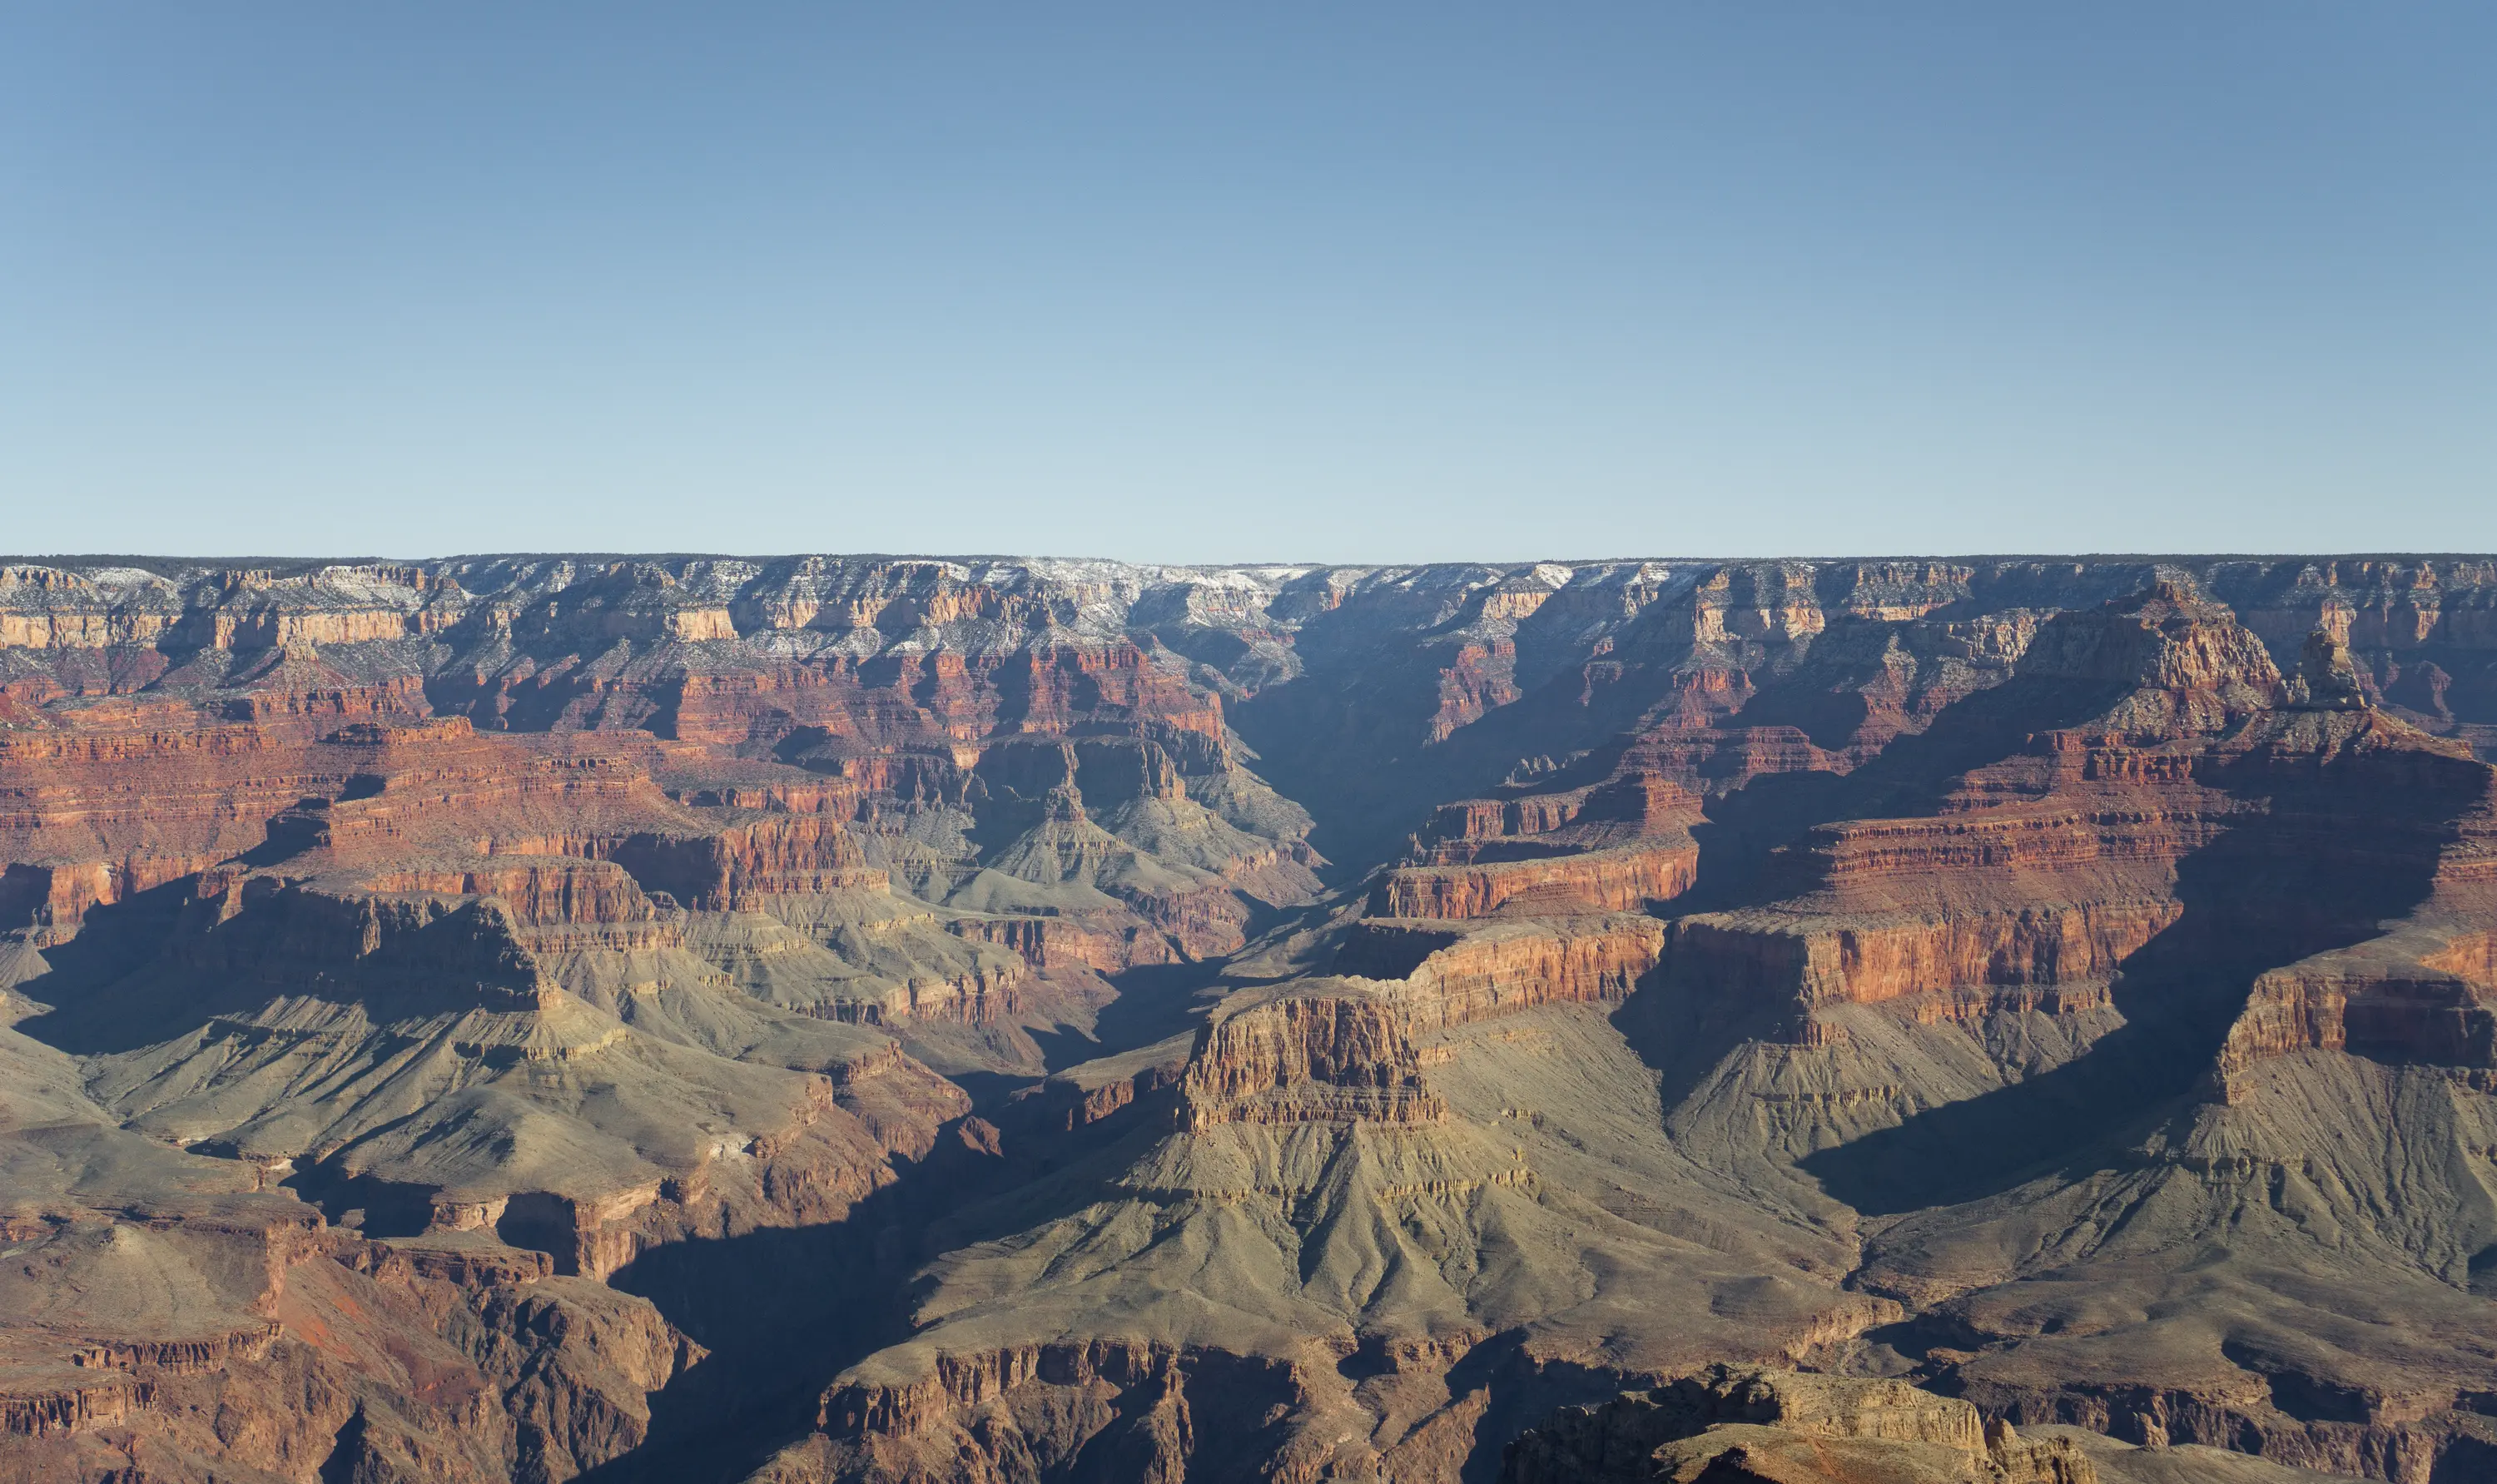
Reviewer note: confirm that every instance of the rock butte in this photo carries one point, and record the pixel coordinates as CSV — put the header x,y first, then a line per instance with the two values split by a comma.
x,y
808,1019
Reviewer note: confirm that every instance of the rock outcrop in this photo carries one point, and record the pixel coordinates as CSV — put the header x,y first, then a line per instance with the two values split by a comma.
x,y
882,1019
1731,1425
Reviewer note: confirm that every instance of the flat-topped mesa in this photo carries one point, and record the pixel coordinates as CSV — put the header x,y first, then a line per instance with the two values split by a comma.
x,y
2093,842
1441,976
1618,878
1617,812
2057,960
1938,960
700,776
1342,1050
2419,997
1616,846
2031,906
2422,990
288,694
1307,1057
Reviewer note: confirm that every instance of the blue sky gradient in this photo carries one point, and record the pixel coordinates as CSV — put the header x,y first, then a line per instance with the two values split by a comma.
x,y
1288,282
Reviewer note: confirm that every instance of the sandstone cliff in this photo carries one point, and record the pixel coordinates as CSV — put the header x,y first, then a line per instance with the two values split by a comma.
x,y
1020,1020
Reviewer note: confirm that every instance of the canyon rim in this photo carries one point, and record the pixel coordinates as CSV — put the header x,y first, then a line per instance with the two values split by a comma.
x,y
517,1018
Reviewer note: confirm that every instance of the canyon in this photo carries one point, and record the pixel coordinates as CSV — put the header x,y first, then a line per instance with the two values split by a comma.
x,y
982,1021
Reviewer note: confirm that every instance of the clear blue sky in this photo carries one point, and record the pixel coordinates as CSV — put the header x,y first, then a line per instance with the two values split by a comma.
x,y
1180,282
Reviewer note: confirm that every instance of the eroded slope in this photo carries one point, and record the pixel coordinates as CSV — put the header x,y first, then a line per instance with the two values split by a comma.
x,y
2063,986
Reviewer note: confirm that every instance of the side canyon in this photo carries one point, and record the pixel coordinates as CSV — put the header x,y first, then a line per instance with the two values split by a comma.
x,y
509,1020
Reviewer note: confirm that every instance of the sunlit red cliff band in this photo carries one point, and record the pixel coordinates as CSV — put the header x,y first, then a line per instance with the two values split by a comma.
x,y
997,1020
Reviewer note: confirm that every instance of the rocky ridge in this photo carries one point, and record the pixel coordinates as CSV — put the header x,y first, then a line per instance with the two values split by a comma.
x,y
1282,1022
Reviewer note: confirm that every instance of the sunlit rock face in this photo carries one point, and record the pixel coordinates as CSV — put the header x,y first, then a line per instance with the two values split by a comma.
x,y
881,1019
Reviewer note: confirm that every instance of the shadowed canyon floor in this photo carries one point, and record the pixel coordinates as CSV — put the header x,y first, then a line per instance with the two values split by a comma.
x,y
528,1018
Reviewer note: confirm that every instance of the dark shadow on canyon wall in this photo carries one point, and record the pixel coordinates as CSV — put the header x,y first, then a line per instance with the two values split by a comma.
x,y
1750,839
783,1310
2260,896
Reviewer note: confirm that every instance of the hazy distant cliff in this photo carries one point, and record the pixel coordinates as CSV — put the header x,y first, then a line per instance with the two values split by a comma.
x,y
981,1020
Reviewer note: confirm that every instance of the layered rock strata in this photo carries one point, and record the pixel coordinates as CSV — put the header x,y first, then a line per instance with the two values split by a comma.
x,y
1729,1424
2062,990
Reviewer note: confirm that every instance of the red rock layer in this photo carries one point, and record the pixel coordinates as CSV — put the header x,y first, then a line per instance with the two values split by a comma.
x,y
1333,1051
340,1354
1306,1058
1620,810
557,893
1619,879
1806,964
1514,967
765,737
737,869
2049,868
